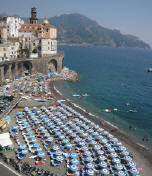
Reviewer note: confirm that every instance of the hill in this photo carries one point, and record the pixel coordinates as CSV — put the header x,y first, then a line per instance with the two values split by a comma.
x,y
78,29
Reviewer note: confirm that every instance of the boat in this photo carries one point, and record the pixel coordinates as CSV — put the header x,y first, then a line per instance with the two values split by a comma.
x,y
127,104
106,110
149,69
85,95
132,110
76,95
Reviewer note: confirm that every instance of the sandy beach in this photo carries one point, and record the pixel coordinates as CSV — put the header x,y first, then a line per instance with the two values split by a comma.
x,y
142,155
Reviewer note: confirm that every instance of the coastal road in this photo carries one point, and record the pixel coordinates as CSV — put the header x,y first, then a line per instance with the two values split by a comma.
x,y
7,171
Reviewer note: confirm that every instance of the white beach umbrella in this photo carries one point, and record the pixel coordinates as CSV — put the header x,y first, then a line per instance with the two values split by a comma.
x,y
116,160
105,172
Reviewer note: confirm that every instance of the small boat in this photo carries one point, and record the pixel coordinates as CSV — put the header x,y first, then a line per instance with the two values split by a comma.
x,y
149,69
127,104
85,95
132,110
106,110
76,95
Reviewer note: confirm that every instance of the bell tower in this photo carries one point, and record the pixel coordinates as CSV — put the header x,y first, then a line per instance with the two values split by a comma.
x,y
33,19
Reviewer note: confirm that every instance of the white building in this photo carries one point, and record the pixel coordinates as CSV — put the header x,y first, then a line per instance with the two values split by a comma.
x,y
48,47
8,51
13,25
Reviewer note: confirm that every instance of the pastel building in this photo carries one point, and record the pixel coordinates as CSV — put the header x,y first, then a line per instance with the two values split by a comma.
x,y
41,36
12,24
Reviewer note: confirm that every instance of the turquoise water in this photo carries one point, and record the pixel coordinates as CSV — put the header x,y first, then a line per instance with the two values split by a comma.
x,y
112,77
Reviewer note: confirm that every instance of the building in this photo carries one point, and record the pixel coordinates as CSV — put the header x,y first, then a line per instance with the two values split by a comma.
x,y
3,34
12,24
42,37
9,51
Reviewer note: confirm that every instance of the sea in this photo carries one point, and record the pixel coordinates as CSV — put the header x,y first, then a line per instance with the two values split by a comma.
x,y
113,78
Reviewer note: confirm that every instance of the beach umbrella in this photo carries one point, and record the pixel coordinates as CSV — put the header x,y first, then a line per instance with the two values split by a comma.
x,y
100,152
68,145
107,145
65,141
73,135
118,166
134,171
22,146
58,152
125,153
105,172
49,139
104,141
128,158
84,148
116,160
73,168
61,137
90,172
89,166
74,161
111,149
121,173
113,155
102,158
77,139
118,143
87,153
131,164
74,155
114,139
24,152
97,147
28,129
55,147
99,137
31,137
103,164
41,154
59,158
89,159
93,142
82,143
38,149
58,133
29,133
33,140
122,148
35,145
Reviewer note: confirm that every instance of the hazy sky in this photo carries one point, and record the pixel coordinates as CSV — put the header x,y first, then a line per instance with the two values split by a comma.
x,y
129,16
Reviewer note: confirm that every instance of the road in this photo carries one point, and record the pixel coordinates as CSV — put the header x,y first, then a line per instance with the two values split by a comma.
x,y
7,171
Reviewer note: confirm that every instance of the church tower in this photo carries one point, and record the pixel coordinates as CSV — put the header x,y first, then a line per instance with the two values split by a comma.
x,y
33,19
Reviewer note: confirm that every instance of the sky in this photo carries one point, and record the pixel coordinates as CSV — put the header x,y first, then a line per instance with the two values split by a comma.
x,y
129,16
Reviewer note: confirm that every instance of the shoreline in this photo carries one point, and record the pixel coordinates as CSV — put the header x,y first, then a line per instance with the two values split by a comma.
x,y
140,151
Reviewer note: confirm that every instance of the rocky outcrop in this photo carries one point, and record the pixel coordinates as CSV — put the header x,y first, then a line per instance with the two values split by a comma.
x,y
70,75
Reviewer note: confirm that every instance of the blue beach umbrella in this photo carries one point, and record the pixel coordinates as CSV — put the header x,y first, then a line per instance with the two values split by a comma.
x,y
24,152
22,146
58,152
74,161
89,159
62,137
38,149
59,158
89,166
33,140
65,141
68,145
31,136
103,164
35,145
74,155
73,168
41,154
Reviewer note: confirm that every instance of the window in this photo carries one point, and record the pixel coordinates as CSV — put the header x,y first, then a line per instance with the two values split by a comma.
x,y
48,48
4,49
